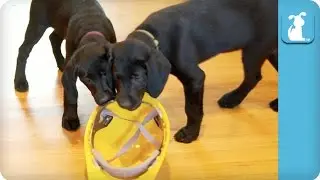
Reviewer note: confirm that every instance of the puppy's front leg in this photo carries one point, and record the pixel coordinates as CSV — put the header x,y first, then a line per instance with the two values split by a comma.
x,y
193,84
70,119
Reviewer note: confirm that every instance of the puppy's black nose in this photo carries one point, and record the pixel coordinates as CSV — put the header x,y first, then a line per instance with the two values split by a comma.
x,y
126,104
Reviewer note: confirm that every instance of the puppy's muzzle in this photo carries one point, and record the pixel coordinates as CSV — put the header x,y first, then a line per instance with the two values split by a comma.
x,y
127,103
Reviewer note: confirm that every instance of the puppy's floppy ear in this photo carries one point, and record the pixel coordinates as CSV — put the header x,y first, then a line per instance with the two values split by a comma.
x,y
291,17
69,79
158,69
303,14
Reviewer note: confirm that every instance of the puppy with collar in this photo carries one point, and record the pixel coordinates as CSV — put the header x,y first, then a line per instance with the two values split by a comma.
x,y
88,34
177,38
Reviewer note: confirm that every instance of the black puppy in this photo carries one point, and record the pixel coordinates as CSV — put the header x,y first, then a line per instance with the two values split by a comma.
x,y
188,34
88,33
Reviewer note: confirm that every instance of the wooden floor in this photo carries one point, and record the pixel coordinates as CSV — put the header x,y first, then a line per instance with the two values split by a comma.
x,y
234,144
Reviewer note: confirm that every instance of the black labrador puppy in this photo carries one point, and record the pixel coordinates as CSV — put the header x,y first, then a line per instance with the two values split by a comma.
x,y
88,34
177,38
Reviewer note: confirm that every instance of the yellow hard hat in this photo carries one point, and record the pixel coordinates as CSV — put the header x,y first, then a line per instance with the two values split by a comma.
x,y
122,144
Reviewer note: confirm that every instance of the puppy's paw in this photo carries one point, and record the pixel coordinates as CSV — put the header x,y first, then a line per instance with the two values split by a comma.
x,y
229,100
274,105
187,134
21,85
70,123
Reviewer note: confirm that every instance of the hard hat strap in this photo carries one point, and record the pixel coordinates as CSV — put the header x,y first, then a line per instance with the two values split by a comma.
x,y
132,171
